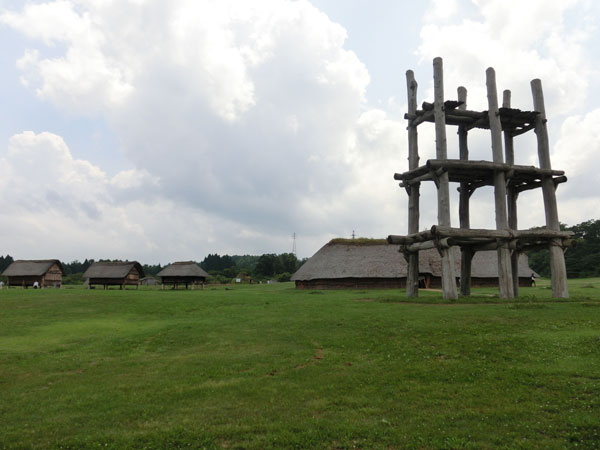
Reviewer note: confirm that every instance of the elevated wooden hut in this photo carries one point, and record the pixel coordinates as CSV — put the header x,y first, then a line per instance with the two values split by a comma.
x,y
372,263
47,272
114,274
183,272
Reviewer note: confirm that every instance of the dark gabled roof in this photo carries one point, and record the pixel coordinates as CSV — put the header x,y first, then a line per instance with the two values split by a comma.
x,y
112,269
182,269
373,259
24,268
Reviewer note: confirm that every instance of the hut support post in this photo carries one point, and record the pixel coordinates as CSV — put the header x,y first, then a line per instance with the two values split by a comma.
x,y
511,197
466,254
504,262
443,193
557,257
412,280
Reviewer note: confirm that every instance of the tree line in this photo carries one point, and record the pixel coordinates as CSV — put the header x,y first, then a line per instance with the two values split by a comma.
x,y
582,259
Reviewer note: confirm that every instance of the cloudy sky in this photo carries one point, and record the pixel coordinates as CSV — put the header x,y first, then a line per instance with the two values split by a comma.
x,y
161,131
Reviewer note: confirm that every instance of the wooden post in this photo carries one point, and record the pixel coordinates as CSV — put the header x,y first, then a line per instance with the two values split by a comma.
x,y
466,254
504,265
412,276
443,191
511,197
557,257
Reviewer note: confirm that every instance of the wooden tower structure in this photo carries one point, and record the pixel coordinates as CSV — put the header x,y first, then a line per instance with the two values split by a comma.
x,y
508,180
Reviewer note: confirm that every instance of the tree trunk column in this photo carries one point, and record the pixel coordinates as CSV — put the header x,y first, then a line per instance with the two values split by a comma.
x,y
443,193
504,262
511,197
412,279
557,257
466,254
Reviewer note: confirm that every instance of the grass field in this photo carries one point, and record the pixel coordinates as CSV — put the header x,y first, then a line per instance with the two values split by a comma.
x,y
272,367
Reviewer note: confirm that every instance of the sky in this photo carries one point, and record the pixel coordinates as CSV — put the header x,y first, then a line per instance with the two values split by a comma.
x,y
162,131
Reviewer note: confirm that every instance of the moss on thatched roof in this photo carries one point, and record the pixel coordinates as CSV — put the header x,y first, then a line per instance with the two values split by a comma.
x,y
358,241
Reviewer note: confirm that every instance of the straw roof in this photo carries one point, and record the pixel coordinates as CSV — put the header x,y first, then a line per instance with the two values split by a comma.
x,y
183,269
374,259
27,268
112,269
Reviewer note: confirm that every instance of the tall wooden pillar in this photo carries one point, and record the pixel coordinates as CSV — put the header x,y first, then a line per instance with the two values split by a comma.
x,y
412,279
557,257
511,197
504,263
466,254
443,189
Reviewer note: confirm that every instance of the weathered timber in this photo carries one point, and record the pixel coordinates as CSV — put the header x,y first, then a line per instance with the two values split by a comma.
x,y
443,193
557,258
418,246
437,231
511,196
466,253
412,281
411,238
459,170
537,184
512,120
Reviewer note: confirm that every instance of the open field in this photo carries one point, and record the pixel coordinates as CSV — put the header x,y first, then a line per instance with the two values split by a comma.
x,y
272,367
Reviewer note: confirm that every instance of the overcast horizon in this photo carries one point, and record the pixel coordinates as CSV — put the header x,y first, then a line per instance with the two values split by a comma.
x,y
157,131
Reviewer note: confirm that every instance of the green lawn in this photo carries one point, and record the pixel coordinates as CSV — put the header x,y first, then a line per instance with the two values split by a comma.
x,y
272,367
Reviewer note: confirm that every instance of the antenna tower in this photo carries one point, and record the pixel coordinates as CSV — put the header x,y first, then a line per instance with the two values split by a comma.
x,y
294,244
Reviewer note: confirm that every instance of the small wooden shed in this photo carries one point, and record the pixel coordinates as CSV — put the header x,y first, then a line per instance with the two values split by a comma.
x,y
114,274
47,272
183,272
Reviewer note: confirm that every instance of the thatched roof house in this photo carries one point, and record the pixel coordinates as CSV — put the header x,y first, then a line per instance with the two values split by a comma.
x,y
373,263
114,273
183,272
47,272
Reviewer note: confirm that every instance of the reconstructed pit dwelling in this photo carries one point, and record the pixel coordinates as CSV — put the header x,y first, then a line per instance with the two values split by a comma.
x,y
507,178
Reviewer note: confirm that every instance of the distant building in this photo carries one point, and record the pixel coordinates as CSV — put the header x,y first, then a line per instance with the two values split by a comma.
x,y
148,281
114,274
373,263
184,272
46,272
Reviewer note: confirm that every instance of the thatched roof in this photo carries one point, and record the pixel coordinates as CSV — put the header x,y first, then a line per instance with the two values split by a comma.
x,y
374,259
112,269
28,268
182,269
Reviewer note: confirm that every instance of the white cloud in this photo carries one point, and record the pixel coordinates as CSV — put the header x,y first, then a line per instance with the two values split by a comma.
x,y
522,41
245,114
247,121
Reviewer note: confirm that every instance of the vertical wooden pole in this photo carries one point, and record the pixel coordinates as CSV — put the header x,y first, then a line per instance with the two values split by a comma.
x,y
466,254
504,265
443,191
557,257
511,197
412,276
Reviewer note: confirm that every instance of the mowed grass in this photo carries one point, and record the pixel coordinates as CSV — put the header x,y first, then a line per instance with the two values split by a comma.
x,y
271,367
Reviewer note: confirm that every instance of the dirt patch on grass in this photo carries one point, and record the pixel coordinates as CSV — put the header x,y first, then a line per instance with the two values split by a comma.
x,y
317,357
